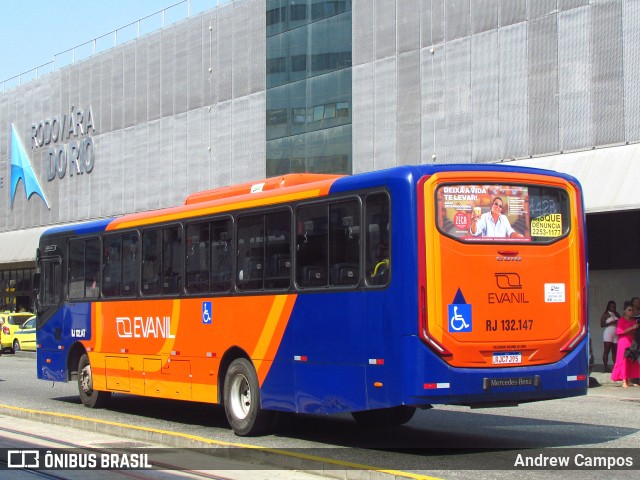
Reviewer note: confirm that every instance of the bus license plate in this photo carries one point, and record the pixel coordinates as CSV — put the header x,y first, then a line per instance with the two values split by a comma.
x,y
507,358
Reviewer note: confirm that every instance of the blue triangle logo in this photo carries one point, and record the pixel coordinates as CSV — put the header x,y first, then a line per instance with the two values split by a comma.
x,y
459,299
21,169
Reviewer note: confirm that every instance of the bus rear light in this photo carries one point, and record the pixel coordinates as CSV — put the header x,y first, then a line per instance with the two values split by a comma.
x,y
575,340
431,343
60,347
435,386
211,355
300,358
576,378
175,353
124,350
376,361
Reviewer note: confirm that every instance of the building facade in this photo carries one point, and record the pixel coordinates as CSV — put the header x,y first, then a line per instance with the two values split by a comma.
x,y
256,88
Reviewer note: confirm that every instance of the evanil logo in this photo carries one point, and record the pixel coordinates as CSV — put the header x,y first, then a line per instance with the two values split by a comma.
x,y
21,169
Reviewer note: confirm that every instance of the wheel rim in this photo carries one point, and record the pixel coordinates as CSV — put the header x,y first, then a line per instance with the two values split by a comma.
x,y
240,397
85,380
16,346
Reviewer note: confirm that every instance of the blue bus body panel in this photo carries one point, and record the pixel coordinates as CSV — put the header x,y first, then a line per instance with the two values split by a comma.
x,y
69,324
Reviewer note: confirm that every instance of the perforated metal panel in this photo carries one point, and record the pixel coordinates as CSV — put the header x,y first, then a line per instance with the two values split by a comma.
x,y
195,68
225,57
409,108
543,85
540,8
569,4
457,101
363,110
512,11
485,75
457,17
385,28
606,73
129,83
631,72
408,25
433,117
240,50
154,76
362,28
484,15
386,112
141,79
513,90
574,72
167,71
181,72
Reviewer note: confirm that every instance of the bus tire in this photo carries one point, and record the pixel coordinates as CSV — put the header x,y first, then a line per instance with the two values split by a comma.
x,y
90,398
384,417
242,400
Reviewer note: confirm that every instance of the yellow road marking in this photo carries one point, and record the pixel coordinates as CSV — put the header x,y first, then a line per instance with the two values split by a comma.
x,y
221,443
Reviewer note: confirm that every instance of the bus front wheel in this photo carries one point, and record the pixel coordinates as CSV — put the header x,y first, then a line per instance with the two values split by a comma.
x,y
90,398
242,400
385,417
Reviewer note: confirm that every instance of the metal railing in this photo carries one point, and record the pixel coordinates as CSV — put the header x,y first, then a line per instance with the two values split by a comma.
x,y
155,21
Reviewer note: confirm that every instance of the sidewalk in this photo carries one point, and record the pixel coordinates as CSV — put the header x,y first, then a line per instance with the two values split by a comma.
x,y
598,377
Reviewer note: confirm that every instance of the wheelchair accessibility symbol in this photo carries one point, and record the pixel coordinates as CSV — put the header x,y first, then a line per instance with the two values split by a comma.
x,y
460,318
206,313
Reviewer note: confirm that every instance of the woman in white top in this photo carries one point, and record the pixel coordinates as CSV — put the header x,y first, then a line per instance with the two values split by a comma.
x,y
608,321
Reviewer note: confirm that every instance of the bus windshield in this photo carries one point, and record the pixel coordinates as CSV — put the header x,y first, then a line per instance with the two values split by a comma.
x,y
502,212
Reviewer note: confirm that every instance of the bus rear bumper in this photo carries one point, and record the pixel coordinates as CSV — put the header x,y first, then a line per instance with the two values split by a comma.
x,y
484,387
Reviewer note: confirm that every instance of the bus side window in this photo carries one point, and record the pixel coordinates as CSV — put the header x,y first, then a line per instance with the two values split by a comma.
x,y
311,246
198,255
92,268
130,261
221,255
377,223
278,250
344,243
172,260
151,254
112,264
250,265
76,269
84,268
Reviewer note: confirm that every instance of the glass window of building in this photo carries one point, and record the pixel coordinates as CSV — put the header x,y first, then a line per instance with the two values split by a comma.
x,y
308,118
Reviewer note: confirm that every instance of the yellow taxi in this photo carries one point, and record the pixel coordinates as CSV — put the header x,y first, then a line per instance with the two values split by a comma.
x,y
24,338
9,323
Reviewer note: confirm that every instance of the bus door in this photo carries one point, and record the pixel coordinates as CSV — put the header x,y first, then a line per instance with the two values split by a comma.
x,y
504,268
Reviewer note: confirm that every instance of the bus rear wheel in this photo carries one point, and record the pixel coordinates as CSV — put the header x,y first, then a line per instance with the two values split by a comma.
x,y
385,417
90,398
242,400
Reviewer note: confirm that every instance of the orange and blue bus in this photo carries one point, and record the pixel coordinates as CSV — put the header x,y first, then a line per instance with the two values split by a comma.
x,y
375,294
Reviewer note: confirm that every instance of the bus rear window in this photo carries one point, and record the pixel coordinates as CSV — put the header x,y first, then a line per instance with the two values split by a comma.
x,y
502,213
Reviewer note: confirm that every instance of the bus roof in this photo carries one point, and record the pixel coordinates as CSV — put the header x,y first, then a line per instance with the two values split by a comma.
x,y
290,187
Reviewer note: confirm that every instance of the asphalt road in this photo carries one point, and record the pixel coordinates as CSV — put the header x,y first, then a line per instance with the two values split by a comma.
x,y
445,442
